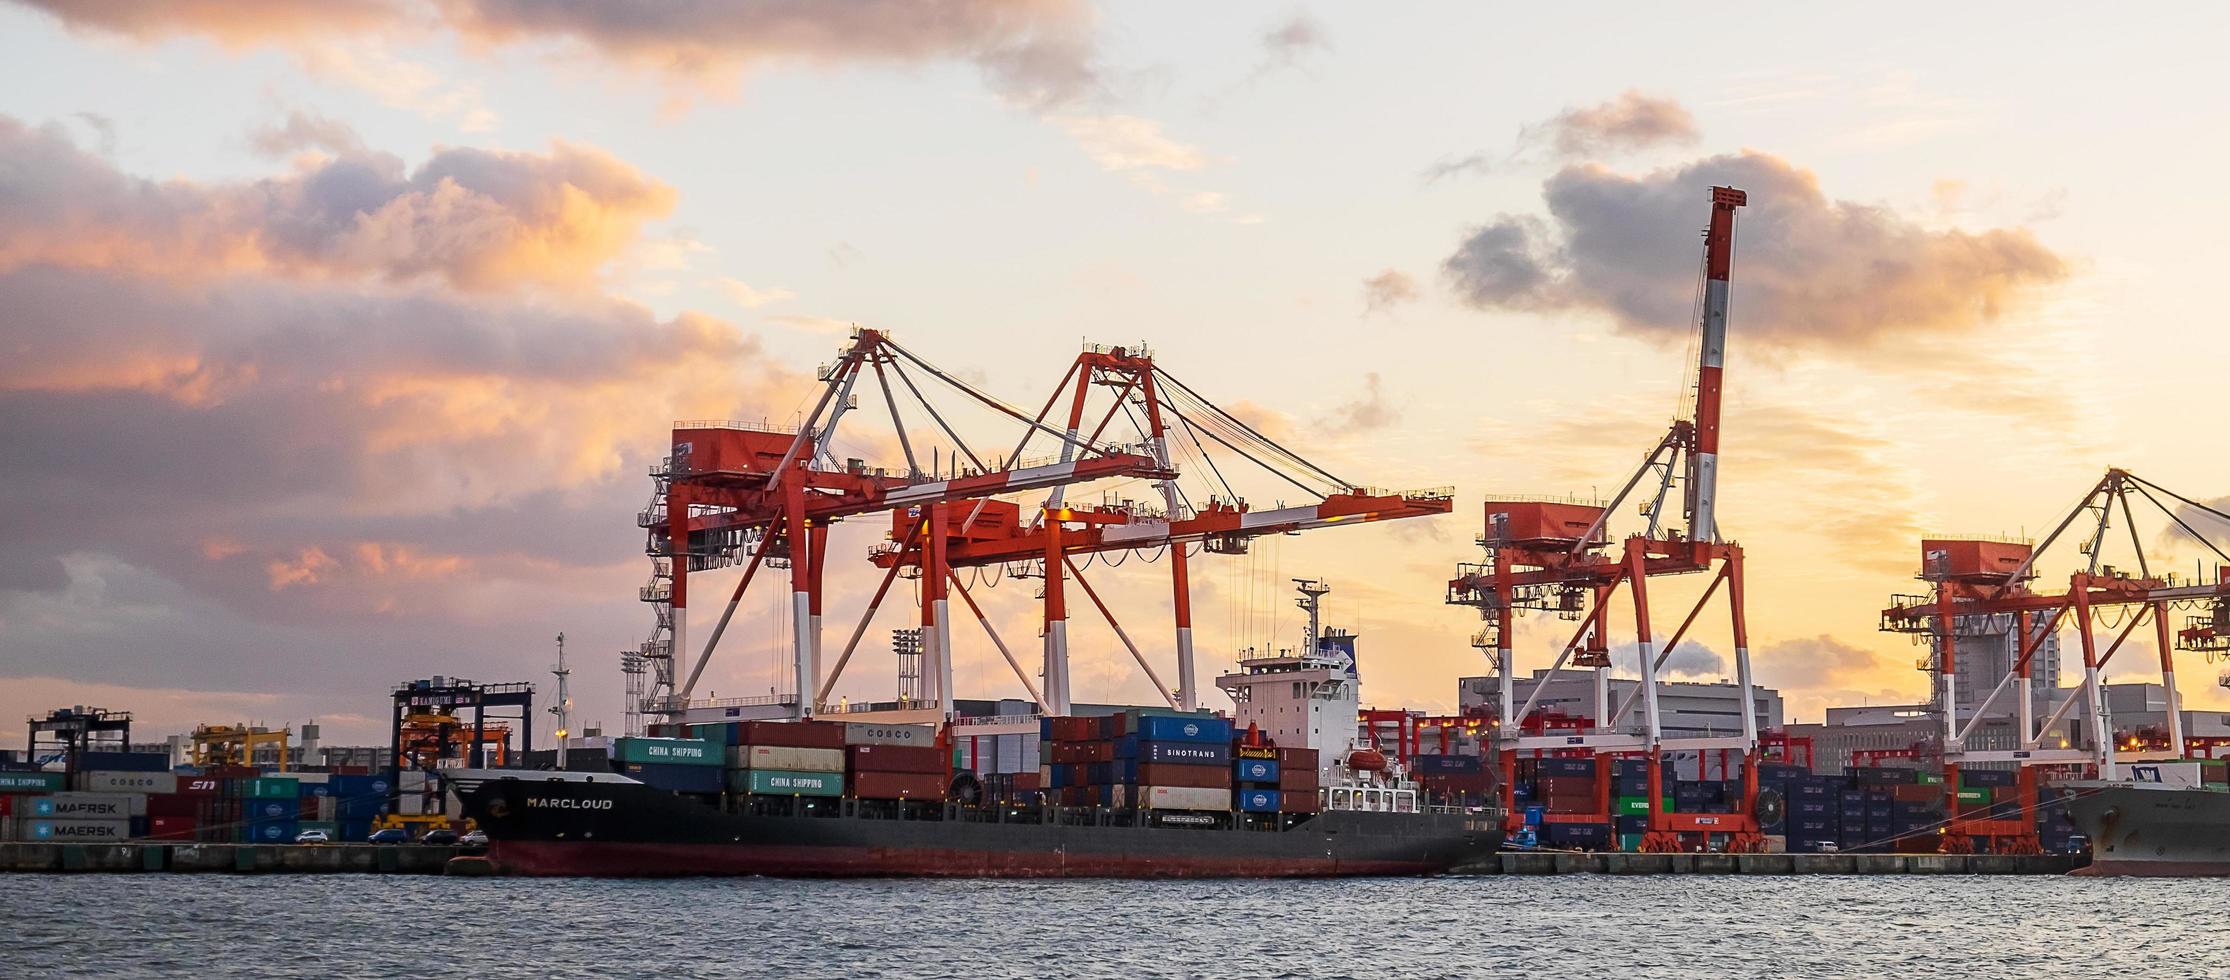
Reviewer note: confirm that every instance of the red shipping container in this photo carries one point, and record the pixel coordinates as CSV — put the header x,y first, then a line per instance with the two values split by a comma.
x,y
232,772
1296,759
173,805
1916,793
1178,774
900,758
1553,786
1298,780
1083,751
898,785
795,734
1298,802
1026,781
200,786
7,804
171,828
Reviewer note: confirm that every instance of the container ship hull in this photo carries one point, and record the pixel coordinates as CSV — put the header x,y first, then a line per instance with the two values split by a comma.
x,y
2153,830
619,829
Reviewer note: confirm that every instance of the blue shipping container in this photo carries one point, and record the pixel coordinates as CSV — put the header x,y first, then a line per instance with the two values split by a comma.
x,y
123,762
1258,800
1197,728
273,831
1533,815
676,777
1436,764
1256,770
1187,753
1566,767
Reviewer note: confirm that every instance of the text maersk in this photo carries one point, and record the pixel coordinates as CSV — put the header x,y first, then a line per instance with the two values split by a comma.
x,y
545,803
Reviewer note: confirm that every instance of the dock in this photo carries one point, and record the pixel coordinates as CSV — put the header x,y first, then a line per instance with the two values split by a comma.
x,y
394,859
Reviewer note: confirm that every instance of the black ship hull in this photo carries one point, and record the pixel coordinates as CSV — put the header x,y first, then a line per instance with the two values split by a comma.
x,y
605,829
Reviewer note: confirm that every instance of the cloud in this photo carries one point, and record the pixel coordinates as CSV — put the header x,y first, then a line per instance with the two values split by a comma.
x,y
477,219
1034,52
1206,202
1629,123
365,64
1294,38
1632,121
305,131
1388,289
743,294
1690,659
1810,270
1129,143
1365,413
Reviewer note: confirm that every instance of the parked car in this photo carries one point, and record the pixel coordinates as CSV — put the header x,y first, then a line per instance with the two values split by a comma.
x,y
392,835
443,836
313,837
474,838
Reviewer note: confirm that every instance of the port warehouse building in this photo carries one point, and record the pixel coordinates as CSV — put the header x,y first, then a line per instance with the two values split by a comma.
x,y
1689,708
2129,707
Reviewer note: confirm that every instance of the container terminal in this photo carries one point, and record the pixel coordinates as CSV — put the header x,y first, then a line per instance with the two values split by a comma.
x,y
1568,769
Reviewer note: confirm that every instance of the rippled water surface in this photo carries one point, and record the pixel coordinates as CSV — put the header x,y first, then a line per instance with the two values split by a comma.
x,y
1576,926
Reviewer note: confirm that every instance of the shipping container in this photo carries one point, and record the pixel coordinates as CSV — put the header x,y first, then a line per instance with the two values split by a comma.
x,y
82,806
897,758
1258,800
1565,767
200,786
1303,801
779,783
128,781
1255,770
1174,774
172,828
1184,798
1186,728
1254,752
867,733
675,777
1433,764
1190,753
898,785
1083,751
1990,778
30,782
123,761
784,757
1297,758
265,810
268,787
271,832
795,734
669,751
78,830
1291,780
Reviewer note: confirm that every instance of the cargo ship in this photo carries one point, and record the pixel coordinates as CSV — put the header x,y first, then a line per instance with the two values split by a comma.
x,y
2153,828
1139,794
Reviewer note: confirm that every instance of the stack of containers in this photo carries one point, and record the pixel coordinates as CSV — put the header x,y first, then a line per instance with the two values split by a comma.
x,y
680,765
787,758
1173,760
2054,825
358,800
1566,786
319,811
895,762
1298,781
1452,780
1630,801
1916,811
1815,813
92,817
1254,774
270,809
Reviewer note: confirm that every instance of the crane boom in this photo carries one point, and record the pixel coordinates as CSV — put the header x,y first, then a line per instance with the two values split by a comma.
x,y
1703,464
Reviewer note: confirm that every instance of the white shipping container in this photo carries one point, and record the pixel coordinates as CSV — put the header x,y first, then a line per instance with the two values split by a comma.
x,y
78,830
413,779
1184,798
870,733
413,805
82,806
129,782
792,759
2167,773
327,808
307,777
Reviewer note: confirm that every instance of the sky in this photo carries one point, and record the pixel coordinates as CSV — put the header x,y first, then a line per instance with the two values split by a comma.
x,y
340,336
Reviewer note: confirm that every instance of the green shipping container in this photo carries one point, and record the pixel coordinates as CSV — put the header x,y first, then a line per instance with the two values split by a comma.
x,y
1638,806
1974,796
30,782
1930,779
1629,842
672,751
271,787
782,782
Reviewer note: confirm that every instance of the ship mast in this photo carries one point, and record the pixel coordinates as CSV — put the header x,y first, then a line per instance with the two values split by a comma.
x,y
1311,600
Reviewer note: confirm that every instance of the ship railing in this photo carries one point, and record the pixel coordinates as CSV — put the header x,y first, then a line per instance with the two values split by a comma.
x,y
1019,719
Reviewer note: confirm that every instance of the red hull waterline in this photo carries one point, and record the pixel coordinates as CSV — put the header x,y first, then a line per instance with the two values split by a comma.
x,y
2154,869
640,860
